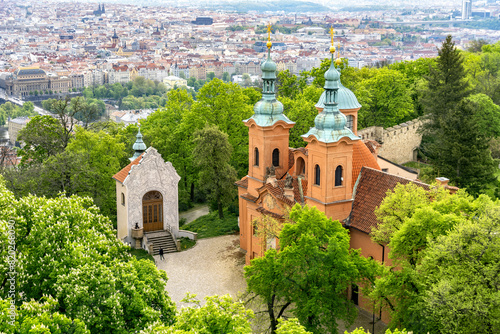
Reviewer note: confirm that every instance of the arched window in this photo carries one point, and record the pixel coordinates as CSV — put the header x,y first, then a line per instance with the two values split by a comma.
x,y
276,157
317,176
256,157
338,176
350,122
123,199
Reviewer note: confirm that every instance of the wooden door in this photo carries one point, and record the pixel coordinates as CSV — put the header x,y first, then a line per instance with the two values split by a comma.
x,y
152,211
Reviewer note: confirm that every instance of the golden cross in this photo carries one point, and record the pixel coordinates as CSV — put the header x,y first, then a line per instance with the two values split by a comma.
x,y
332,32
269,32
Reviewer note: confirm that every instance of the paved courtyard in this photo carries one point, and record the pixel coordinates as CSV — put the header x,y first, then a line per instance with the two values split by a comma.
x,y
213,266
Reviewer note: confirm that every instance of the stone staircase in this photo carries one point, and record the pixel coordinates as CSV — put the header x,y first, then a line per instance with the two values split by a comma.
x,y
161,239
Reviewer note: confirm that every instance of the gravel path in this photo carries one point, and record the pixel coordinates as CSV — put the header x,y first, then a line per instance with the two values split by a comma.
x,y
194,213
212,266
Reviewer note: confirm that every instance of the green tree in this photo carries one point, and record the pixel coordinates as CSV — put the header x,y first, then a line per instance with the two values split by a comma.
x,y
225,105
302,111
170,130
462,277
391,100
9,110
452,124
289,85
44,137
102,154
28,107
212,154
76,258
291,326
226,77
39,317
220,314
446,86
312,271
413,221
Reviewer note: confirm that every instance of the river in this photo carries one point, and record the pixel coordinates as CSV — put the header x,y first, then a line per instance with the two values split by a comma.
x,y
4,135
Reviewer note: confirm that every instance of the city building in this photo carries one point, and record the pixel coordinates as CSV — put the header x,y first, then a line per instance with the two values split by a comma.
x,y
16,125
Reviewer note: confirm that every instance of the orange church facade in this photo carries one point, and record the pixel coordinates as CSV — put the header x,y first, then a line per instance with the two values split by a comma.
x,y
336,171
322,174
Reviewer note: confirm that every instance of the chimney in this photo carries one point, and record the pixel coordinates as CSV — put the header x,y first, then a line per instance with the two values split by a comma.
x,y
289,193
442,181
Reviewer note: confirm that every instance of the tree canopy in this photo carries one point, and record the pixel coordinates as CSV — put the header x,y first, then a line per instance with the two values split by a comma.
x,y
212,154
308,277
67,250
442,248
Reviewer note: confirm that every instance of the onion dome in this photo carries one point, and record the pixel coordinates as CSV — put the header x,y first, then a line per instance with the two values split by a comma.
x,y
139,146
330,123
268,110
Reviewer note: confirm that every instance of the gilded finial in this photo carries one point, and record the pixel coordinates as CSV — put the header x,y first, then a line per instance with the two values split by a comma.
x,y
332,33
338,61
269,44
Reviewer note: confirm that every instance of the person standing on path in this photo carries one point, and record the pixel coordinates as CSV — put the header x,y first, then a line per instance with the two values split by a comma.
x,y
161,254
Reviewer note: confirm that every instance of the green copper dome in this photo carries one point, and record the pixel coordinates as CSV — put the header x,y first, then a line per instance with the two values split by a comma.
x,y
345,99
329,125
268,110
139,146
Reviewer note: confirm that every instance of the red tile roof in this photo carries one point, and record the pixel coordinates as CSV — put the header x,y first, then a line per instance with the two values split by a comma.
x,y
370,190
122,175
361,157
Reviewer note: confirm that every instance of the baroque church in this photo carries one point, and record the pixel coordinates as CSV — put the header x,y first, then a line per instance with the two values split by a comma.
x,y
336,171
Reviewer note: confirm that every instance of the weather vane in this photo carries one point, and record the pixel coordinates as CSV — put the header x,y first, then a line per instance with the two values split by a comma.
x,y
332,32
269,44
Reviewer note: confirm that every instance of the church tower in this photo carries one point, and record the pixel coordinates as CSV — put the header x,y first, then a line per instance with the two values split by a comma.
x,y
330,153
268,130
115,39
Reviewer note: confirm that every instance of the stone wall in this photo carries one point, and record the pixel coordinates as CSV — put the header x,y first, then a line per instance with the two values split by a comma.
x,y
399,143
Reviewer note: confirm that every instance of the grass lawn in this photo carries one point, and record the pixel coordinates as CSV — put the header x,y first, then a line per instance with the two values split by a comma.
x,y
187,243
211,226
141,254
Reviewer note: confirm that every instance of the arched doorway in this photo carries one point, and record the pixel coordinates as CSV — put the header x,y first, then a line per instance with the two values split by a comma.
x,y
152,211
300,166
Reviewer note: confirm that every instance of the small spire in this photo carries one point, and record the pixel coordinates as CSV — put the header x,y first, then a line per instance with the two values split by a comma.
x,y
139,146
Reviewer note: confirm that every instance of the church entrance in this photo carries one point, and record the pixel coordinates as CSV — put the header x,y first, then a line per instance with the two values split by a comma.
x,y
152,211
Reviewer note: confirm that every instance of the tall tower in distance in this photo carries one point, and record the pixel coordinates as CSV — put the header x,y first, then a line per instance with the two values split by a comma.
x,y
466,9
